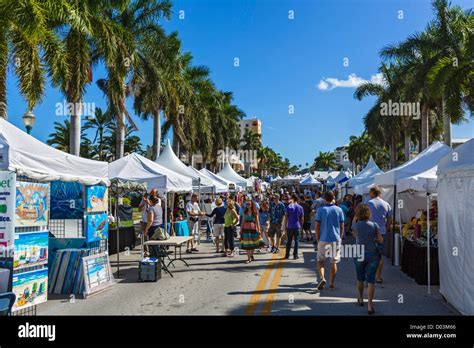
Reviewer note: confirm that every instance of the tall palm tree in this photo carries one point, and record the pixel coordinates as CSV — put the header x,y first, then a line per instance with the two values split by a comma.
x,y
140,20
29,41
98,38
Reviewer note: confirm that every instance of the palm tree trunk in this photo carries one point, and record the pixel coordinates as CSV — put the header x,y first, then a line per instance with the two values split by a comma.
x,y
424,126
393,151
156,134
446,125
75,136
120,140
407,143
176,144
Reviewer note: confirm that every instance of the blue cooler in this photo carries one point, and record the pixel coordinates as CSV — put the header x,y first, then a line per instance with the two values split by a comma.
x,y
149,270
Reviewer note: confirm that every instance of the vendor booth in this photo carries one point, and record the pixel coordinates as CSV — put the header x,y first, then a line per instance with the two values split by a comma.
x,y
51,191
310,181
424,161
360,182
456,227
231,186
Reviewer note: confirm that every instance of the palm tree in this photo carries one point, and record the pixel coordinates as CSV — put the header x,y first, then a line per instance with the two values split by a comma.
x,y
60,138
101,123
132,142
140,20
29,41
324,161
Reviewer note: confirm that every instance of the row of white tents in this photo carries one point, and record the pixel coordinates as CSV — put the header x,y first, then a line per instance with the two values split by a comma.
x,y
28,156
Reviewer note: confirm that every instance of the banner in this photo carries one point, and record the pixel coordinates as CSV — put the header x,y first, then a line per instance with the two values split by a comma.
x,y
7,209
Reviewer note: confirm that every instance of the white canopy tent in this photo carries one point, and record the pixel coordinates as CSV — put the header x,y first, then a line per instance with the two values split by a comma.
x,y
423,182
366,175
217,186
230,174
169,160
324,175
28,156
137,168
219,179
310,181
424,161
342,177
455,227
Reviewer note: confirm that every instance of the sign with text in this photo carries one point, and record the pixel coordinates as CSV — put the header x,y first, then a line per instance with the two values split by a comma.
x,y
7,210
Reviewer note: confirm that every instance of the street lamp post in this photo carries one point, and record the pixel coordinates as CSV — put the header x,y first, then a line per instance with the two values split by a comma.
x,y
29,121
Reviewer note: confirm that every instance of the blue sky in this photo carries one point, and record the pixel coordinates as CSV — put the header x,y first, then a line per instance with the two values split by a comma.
x,y
282,62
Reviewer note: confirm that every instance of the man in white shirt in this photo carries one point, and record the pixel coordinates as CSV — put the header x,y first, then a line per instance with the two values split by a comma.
x,y
193,213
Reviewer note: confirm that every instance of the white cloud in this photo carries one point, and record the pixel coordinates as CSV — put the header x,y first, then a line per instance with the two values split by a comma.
x,y
353,81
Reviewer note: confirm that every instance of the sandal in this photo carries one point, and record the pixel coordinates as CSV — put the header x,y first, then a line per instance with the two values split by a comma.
x,y
188,251
194,249
360,302
248,261
371,311
379,281
331,288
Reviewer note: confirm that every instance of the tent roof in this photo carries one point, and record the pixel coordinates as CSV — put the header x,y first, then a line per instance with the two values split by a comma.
x,y
342,177
460,160
370,170
230,174
309,181
217,178
137,168
427,159
37,160
423,182
169,160
218,186
325,174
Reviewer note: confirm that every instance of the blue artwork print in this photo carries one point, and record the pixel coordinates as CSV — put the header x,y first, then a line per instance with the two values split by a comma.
x,y
96,198
97,227
66,200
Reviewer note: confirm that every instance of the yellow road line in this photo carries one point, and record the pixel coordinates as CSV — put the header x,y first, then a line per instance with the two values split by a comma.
x,y
267,305
252,306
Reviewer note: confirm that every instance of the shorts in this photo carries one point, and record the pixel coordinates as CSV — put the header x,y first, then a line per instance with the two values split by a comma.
x,y
218,230
367,268
329,250
275,229
193,227
307,226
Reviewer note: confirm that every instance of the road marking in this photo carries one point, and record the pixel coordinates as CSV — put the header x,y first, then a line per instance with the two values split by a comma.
x,y
267,305
252,306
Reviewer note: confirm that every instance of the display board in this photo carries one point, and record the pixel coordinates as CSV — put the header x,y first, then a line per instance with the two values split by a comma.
x,y
66,200
31,249
31,204
30,288
97,273
7,209
97,227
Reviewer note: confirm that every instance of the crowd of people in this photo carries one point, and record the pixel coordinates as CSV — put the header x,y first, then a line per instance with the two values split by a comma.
x,y
262,222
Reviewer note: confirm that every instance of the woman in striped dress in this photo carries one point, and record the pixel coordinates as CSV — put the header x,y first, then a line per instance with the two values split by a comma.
x,y
250,236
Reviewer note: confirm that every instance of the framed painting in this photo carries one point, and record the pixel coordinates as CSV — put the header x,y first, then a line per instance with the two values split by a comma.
x,y
31,204
97,227
66,200
97,199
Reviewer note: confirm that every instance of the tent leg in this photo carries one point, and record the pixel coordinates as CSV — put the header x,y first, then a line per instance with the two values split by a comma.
x,y
117,219
393,223
428,237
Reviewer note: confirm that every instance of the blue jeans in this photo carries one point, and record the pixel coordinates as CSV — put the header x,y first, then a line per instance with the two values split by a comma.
x,y
293,233
366,269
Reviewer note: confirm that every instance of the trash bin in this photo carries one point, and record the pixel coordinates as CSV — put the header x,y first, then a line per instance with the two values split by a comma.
x,y
149,270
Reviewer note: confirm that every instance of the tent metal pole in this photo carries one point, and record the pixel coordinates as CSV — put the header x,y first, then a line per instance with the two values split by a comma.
x,y
117,219
428,232
393,222
166,212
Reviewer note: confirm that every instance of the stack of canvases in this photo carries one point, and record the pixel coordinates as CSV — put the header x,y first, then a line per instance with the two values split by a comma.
x,y
66,275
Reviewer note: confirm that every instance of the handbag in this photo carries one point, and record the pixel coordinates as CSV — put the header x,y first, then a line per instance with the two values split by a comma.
x,y
160,234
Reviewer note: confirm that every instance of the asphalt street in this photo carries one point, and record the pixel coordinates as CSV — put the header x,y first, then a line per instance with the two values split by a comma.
x,y
216,285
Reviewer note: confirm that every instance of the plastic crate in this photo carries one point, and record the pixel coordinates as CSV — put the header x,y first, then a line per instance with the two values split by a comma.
x,y
149,271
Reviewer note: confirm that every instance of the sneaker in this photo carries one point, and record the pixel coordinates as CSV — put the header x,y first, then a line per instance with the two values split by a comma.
x,y
296,257
276,251
321,284
272,250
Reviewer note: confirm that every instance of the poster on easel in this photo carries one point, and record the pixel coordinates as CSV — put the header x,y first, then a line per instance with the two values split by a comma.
x,y
97,273
31,204
30,288
7,210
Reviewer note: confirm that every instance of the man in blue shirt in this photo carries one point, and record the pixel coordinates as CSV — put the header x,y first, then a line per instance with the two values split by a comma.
x,y
277,212
293,222
329,232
